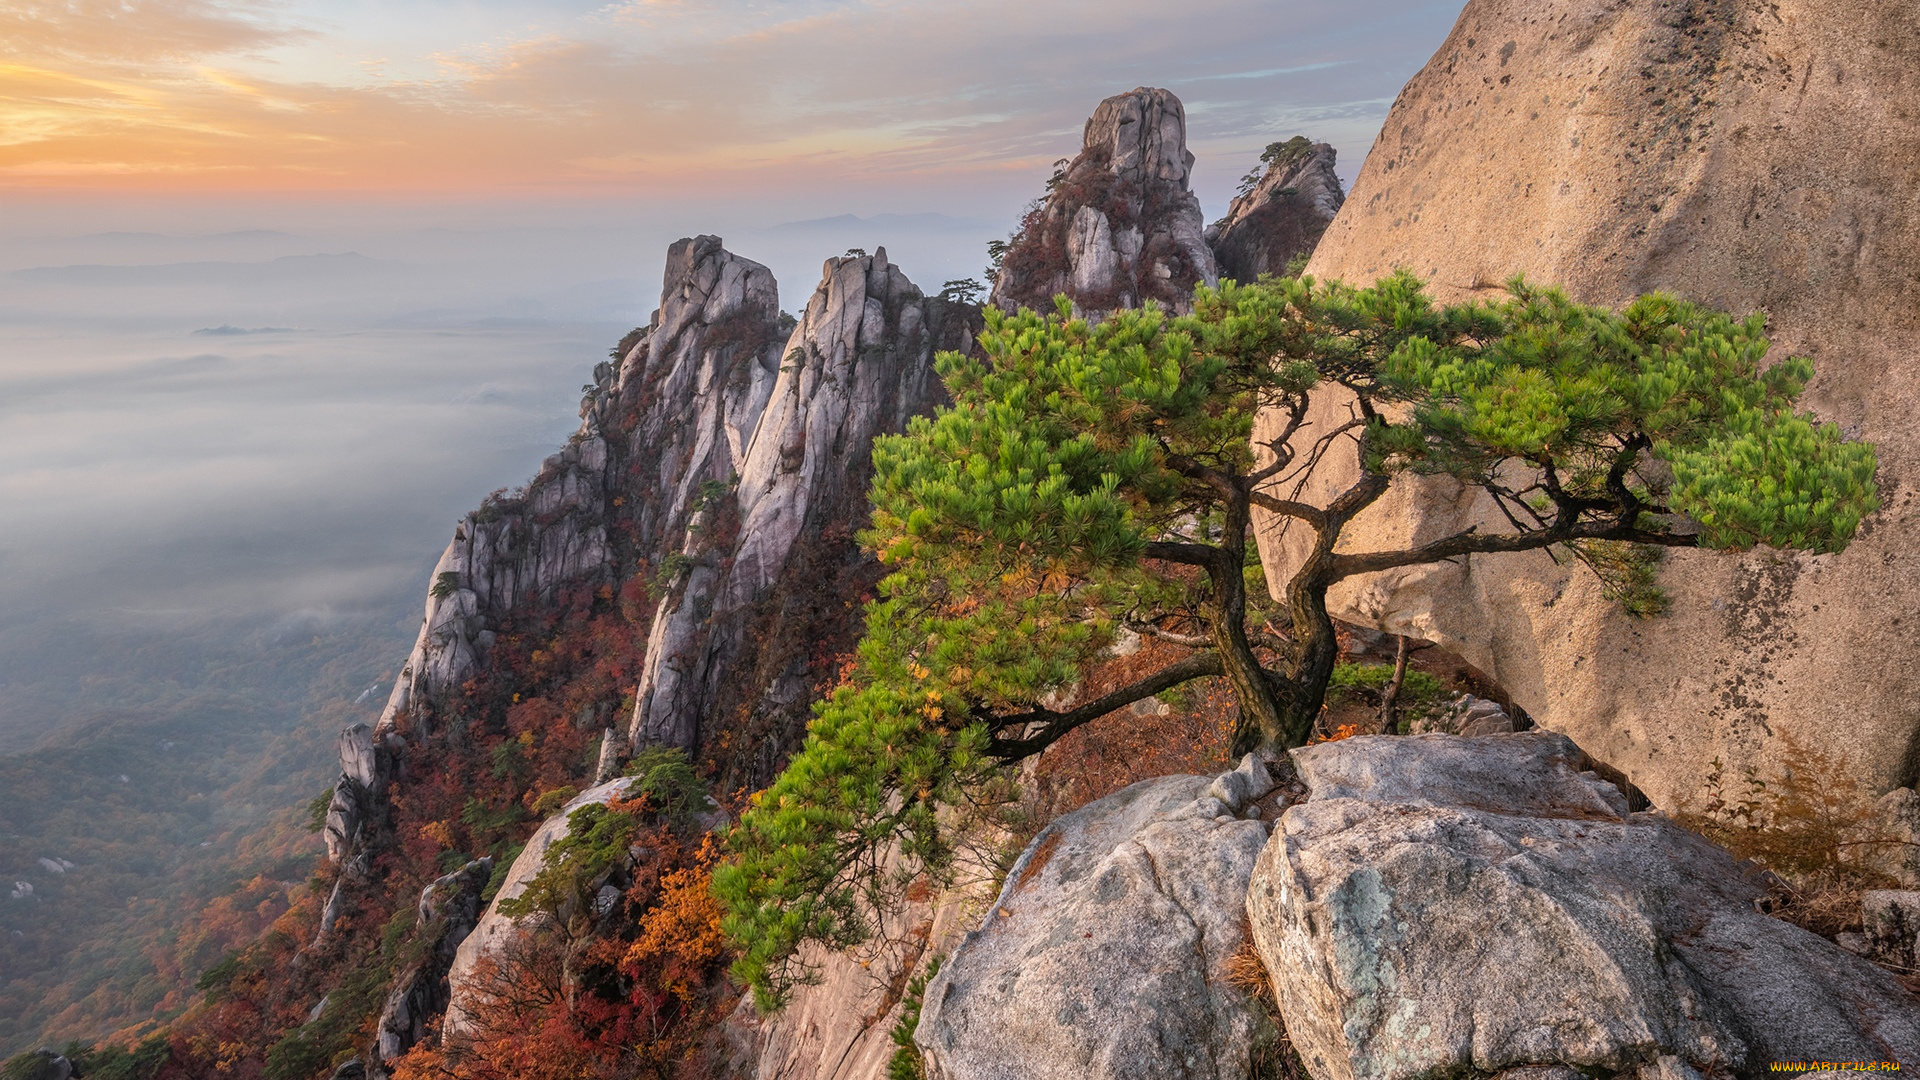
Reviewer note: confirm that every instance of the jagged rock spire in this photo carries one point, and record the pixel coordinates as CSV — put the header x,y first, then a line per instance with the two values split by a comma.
x,y
858,365
676,412
672,414
1118,226
1282,215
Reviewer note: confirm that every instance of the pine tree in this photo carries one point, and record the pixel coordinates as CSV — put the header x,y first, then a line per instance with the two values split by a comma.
x,y
1089,478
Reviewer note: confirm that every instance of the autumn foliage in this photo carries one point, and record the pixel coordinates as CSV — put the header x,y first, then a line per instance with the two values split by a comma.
x,y
634,997
634,1002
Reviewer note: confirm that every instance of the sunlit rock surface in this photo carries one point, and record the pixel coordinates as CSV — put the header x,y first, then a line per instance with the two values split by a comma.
x,y
1749,156
763,556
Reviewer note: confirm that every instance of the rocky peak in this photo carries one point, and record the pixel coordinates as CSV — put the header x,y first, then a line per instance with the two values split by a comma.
x,y
668,418
1118,226
1142,135
1282,215
694,386
677,412
769,563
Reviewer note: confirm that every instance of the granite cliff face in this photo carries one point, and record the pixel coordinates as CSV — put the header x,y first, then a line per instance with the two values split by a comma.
x,y
1118,226
1746,155
1282,215
677,412
771,569
725,458
448,911
673,417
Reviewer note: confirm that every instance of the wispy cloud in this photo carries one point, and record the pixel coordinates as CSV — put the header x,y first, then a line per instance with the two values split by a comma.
x,y
657,95
1266,74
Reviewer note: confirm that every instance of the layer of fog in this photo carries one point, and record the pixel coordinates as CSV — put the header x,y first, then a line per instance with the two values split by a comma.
x,y
277,424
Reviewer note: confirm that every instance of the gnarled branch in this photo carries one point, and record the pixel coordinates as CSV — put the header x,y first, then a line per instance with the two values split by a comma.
x,y
1472,542
1058,724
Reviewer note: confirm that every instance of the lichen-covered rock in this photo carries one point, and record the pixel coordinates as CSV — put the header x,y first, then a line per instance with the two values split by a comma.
x,y
1444,905
1105,954
1282,215
448,910
497,934
1119,226
1745,155
764,558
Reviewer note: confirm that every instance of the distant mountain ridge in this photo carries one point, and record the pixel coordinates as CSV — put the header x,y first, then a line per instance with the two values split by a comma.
x,y
286,267
914,221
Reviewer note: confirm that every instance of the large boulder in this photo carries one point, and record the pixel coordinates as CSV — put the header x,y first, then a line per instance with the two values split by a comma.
x,y
767,562
1282,215
1444,906
1119,225
1105,954
1749,156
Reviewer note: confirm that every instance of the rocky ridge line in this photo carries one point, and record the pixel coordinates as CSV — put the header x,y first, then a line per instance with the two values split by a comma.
x,y
673,417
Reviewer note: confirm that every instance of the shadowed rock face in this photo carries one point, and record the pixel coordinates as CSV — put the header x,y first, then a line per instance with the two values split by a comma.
x,y
1447,906
1746,155
1281,216
1119,226
448,910
772,559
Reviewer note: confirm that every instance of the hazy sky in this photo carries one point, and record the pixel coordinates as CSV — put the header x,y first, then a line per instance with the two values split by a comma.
x,y
432,218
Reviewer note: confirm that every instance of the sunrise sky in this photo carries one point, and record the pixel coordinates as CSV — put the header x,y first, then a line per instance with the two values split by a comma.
x,y
286,286
669,97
